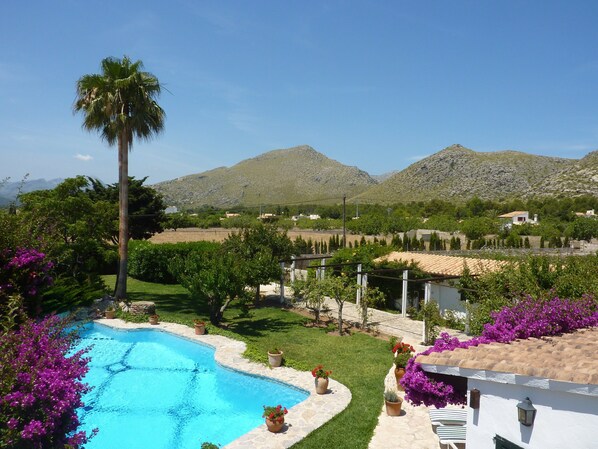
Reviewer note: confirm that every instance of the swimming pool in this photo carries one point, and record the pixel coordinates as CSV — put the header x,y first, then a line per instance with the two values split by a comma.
x,y
154,390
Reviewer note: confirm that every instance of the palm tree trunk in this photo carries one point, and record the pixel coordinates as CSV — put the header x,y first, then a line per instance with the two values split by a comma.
x,y
123,217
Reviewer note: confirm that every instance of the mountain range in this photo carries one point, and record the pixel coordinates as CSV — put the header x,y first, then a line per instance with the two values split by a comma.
x,y
10,190
303,175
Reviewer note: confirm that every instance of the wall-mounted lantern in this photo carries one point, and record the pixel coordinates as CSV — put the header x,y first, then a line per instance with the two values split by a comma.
x,y
474,398
526,412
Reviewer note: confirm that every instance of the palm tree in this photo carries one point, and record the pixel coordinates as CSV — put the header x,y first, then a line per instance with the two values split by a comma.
x,y
120,103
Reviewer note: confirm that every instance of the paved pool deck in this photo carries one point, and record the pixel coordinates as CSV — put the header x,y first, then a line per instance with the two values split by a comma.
x,y
302,419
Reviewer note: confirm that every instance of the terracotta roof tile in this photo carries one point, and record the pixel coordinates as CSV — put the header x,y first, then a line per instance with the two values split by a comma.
x,y
444,265
513,214
569,357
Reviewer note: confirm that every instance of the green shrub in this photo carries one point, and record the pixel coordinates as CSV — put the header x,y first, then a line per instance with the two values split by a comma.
x,y
433,320
149,261
208,445
68,293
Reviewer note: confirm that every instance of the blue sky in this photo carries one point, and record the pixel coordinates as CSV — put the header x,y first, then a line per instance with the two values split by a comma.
x,y
376,84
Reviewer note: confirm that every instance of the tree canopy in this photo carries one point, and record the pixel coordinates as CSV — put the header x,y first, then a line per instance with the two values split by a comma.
x,y
261,247
146,207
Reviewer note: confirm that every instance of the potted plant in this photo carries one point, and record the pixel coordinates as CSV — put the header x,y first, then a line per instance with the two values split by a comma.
x,y
110,313
153,319
403,352
200,327
275,357
321,379
208,445
274,417
393,403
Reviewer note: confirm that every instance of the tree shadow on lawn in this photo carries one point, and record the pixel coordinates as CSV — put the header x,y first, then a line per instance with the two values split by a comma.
x,y
181,302
251,327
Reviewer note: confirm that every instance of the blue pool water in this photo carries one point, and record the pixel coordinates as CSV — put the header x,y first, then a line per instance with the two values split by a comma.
x,y
153,390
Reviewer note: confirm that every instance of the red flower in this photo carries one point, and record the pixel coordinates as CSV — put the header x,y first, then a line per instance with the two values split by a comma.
x,y
275,413
319,371
402,348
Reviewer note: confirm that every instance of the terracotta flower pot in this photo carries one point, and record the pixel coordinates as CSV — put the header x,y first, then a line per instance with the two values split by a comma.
x,y
399,373
110,314
321,385
275,360
274,426
200,328
393,408
153,319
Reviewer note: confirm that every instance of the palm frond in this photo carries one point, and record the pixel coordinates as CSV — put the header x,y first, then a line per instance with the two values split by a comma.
x,y
120,101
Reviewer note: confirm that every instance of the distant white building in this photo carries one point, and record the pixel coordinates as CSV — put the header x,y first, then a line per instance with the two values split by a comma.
x,y
517,218
231,215
589,214
310,217
171,210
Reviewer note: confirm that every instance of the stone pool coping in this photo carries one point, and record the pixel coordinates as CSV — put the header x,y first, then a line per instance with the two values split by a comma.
x,y
302,419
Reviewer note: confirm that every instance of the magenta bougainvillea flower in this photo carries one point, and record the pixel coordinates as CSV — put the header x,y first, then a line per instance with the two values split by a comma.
x,y
24,271
41,387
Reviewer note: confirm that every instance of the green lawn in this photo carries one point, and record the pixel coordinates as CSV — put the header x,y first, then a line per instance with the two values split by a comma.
x,y
358,361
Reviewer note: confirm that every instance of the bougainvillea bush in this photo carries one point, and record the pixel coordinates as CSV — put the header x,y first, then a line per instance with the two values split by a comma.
x,y
24,272
40,387
528,318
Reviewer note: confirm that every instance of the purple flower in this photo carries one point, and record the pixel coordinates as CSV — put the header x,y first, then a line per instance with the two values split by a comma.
x,y
12,423
24,271
41,386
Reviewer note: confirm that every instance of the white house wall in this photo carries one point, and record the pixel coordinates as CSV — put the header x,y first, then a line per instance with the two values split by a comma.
x,y
563,420
448,298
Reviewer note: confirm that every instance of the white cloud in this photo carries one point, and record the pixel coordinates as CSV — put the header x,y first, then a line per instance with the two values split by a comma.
x,y
83,157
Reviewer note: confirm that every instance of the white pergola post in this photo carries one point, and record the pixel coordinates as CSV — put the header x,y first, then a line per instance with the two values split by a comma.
x,y
323,271
292,269
358,297
404,294
282,282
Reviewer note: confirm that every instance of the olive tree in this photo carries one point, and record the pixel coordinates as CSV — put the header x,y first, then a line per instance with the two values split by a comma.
x,y
261,247
341,289
213,278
